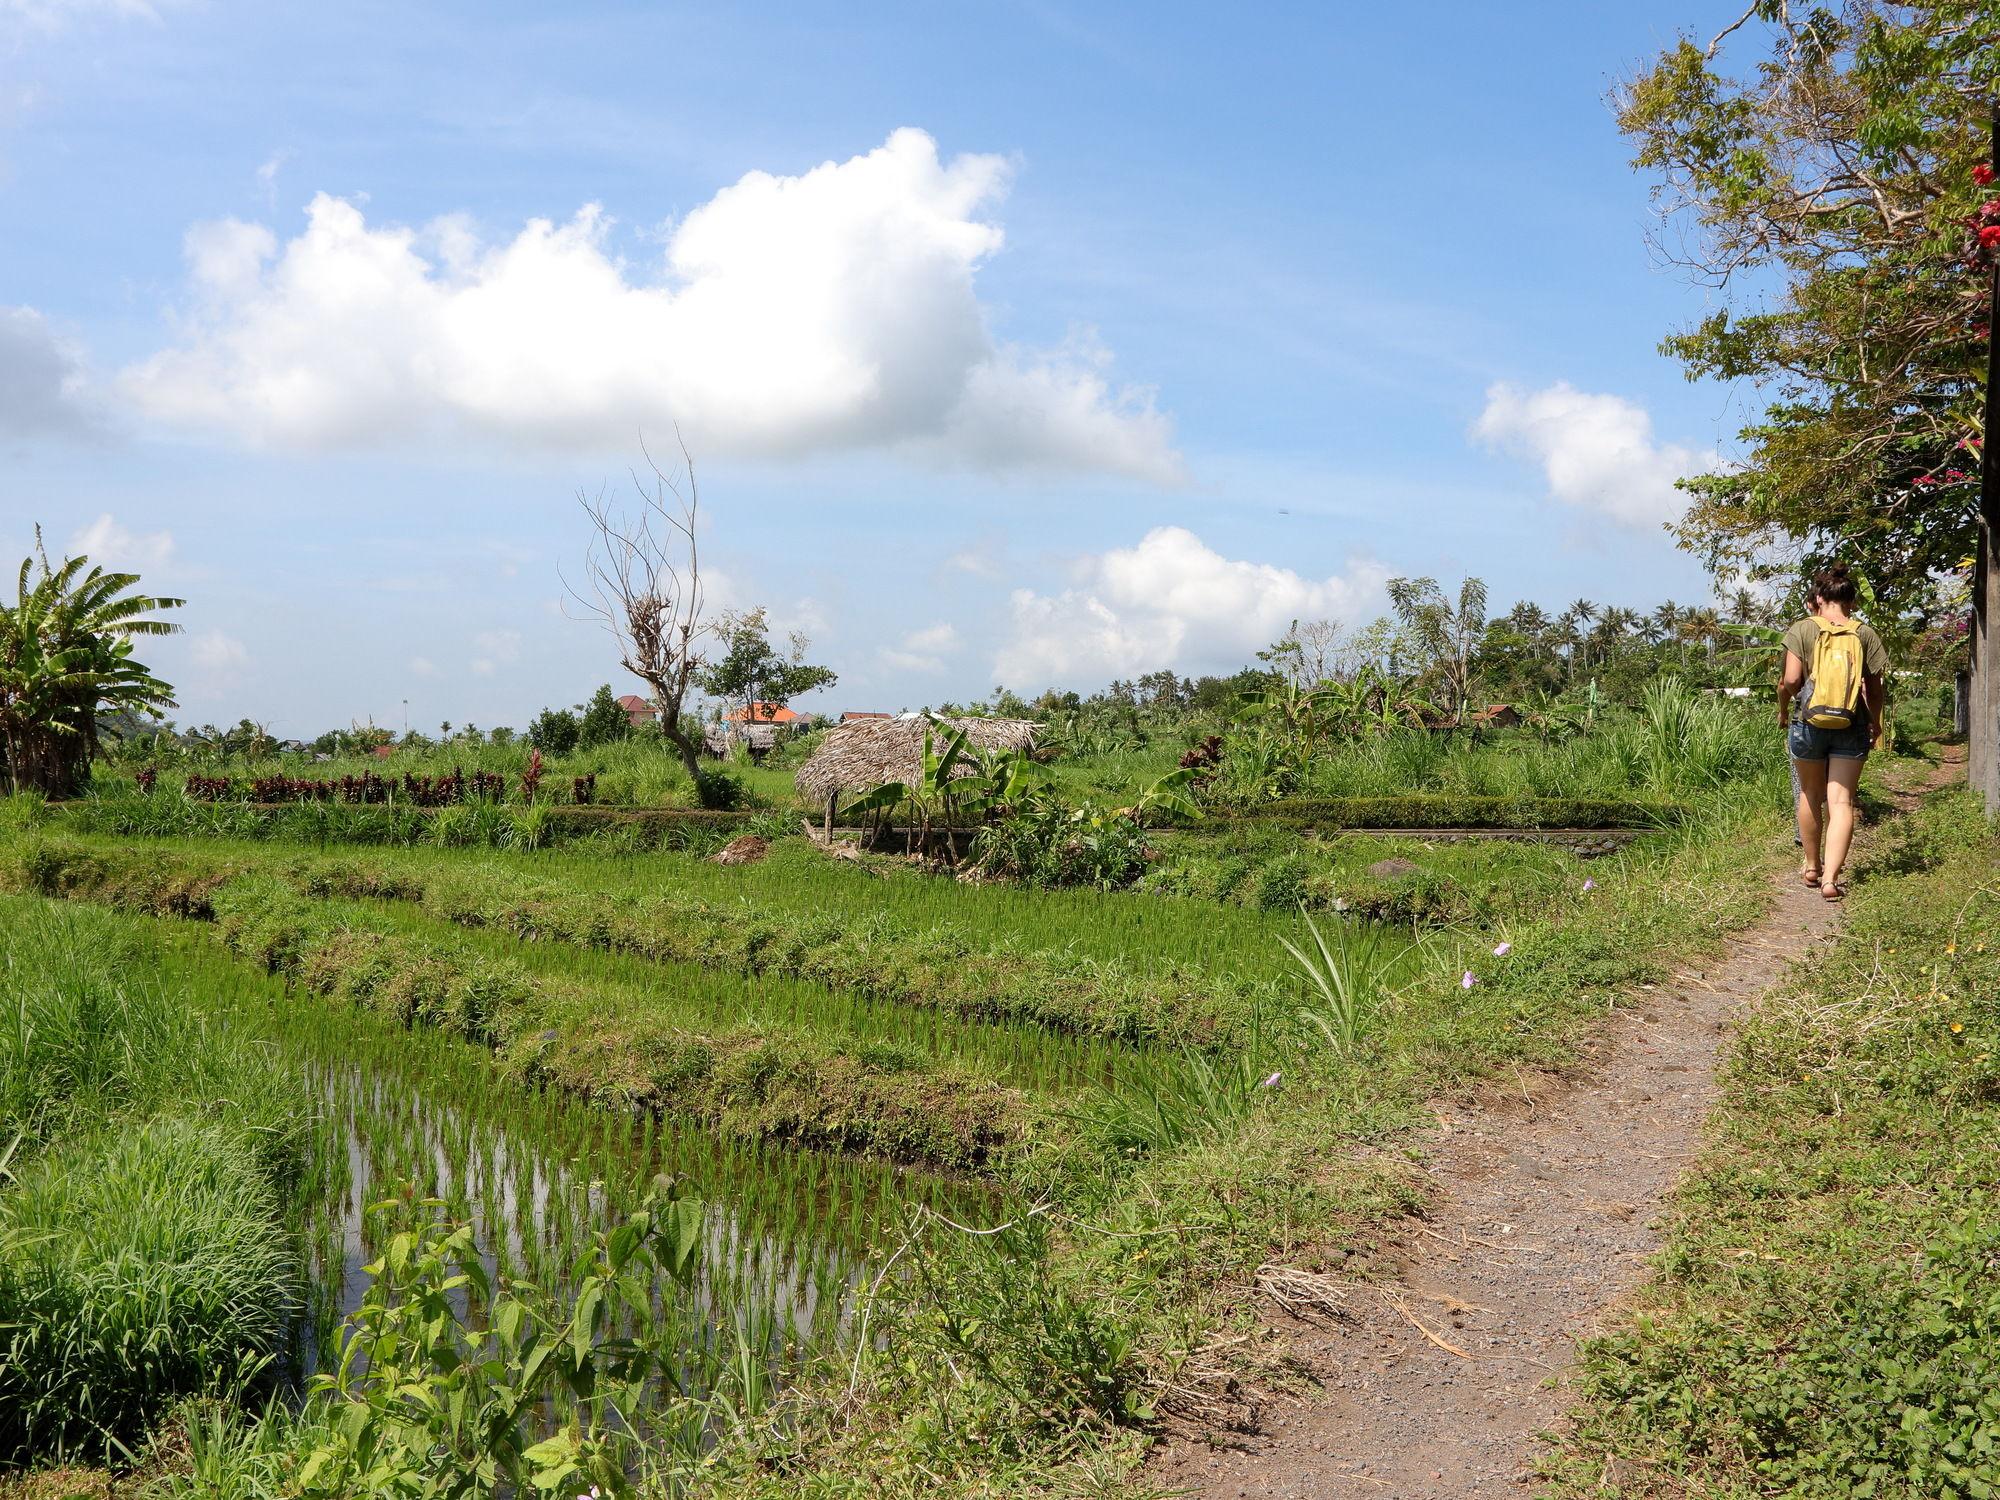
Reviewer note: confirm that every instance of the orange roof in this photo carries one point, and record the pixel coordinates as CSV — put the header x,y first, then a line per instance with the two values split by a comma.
x,y
632,703
762,713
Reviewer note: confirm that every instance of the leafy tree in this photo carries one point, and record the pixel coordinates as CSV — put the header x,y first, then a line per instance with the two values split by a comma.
x,y
554,731
603,721
752,670
65,660
1447,634
1842,201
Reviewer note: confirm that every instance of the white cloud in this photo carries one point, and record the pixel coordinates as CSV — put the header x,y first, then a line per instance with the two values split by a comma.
x,y
834,309
108,542
496,648
42,388
1596,451
216,651
922,650
423,666
218,660
1171,601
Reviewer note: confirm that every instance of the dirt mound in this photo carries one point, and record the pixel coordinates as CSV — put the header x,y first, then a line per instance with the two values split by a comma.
x,y
744,849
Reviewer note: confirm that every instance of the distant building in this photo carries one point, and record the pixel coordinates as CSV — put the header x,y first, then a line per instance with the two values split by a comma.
x,y
755,726
1497,716
638,710
760,713
854,715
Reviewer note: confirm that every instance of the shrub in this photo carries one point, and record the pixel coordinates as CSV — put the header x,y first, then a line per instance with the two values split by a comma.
x,y
1419,811
1281,885
1045,843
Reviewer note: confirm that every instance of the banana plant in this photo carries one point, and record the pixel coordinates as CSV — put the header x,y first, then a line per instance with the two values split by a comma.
x,y
1172,793
957,785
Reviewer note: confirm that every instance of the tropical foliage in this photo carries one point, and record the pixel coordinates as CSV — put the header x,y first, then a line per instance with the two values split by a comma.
x,y
1831,190
65,661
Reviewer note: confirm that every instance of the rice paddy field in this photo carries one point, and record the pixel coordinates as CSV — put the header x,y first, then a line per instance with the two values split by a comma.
x,y
975,1166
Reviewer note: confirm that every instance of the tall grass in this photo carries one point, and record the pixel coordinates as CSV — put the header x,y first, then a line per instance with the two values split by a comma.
x,y
135,1269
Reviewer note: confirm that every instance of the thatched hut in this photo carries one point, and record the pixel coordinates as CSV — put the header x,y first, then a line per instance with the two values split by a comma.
x,y
867,752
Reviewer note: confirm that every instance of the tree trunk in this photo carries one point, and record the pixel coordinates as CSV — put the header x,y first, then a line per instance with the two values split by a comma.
x,y
685,746
1984,737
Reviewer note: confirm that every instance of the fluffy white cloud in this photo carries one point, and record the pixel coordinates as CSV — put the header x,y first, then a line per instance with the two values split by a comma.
x,y
1596,451
106,541
922,650
41,378
834,309
1171,601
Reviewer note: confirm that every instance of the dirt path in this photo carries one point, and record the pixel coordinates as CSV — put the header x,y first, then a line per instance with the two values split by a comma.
x,y
1542,1221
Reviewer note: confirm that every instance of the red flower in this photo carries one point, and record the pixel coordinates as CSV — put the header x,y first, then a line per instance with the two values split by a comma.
x,y
1954,474
1923,481
1990,209
1982,174
1989,237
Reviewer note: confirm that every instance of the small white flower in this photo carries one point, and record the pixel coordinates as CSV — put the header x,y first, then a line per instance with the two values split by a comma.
x,y
1272,1081
1503,950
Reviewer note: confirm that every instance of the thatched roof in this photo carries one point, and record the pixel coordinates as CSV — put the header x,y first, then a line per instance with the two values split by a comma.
x,y
868,752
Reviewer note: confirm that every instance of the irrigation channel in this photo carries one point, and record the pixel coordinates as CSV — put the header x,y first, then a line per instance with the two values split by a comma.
x,y
790,1234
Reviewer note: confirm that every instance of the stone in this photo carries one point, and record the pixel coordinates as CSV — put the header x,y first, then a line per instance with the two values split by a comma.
x,y
1392,869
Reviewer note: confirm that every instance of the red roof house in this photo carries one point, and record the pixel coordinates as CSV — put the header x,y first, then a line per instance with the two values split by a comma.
x,y
760,713
638,710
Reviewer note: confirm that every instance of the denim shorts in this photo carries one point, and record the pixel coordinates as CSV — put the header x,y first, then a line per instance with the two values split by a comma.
x,y
1810,743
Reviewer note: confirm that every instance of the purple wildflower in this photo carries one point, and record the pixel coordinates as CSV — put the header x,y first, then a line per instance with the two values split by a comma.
x,y
1503,950
1468,981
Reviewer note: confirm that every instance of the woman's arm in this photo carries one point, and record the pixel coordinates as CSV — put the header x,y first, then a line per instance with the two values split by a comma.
x,y
1875,693
1790,680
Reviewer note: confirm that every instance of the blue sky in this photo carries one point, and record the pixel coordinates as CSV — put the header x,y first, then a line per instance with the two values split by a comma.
x,y
1017,343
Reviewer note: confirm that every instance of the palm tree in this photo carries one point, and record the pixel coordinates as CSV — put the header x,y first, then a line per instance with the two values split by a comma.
x,y
1703,626
1447,634
1666,622
65,658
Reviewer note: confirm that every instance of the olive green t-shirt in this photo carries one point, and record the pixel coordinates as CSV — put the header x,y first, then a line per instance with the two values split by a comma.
x,y
1800,638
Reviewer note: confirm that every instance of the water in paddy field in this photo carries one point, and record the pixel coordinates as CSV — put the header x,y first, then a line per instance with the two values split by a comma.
x,y
790,1235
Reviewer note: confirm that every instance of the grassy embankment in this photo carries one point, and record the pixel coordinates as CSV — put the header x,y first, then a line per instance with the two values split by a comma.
x,y
1825,1320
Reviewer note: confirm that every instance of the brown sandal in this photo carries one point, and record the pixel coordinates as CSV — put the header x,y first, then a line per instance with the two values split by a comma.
x,y
1834,892
1810,877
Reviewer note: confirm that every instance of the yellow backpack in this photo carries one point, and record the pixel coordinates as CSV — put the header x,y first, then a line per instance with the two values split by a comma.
x,y
1833,696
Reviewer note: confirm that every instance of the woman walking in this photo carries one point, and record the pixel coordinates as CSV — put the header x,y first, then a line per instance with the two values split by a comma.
x,y
1834,669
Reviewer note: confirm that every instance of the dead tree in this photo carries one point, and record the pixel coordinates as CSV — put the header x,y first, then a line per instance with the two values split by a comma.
x,y
642,582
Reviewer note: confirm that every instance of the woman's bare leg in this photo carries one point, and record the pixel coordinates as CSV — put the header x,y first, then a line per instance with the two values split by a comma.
x,y
1812,792
1843,774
